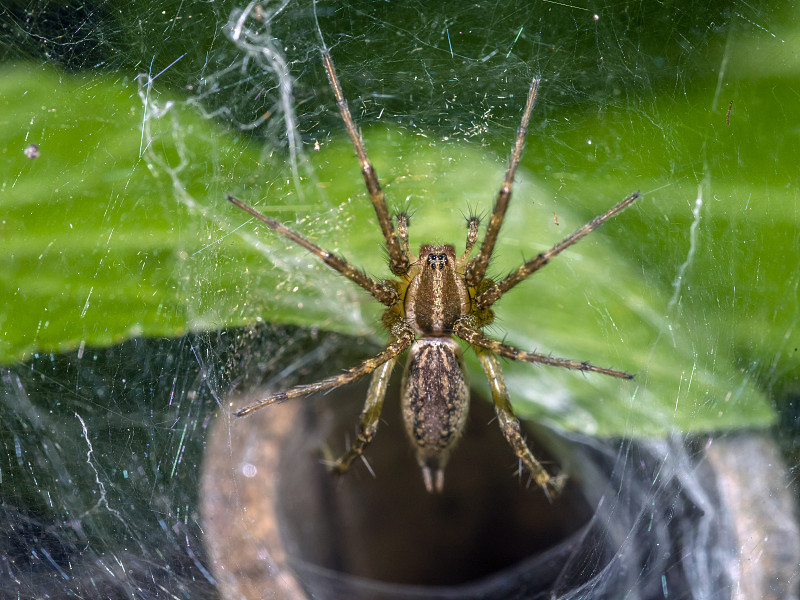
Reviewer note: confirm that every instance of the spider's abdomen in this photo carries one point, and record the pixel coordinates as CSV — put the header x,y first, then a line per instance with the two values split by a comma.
x,y
437,296
435,402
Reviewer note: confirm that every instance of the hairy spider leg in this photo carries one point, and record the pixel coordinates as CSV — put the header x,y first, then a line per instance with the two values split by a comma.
x,y
493,293
509,425
471,334
472,235
397,346
476,269
370,416
383,292
402,232
398,260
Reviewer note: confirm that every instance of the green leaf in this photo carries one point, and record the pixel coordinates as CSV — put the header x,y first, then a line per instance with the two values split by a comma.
x,y
121,228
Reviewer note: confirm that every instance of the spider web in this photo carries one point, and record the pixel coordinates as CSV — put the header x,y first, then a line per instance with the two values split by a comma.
x,y
137,299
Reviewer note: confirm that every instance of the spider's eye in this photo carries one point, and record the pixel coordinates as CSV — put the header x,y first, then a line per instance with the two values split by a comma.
x,y
437,261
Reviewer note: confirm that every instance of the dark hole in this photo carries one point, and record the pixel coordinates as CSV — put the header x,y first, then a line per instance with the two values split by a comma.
x,y
387,528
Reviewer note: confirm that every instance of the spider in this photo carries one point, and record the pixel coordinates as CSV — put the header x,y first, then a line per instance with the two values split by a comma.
x,y
435,297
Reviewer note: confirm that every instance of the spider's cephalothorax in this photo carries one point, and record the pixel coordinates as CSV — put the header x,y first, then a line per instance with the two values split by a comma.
x,y
435,298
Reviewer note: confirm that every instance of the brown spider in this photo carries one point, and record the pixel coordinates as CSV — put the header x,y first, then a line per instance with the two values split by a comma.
x,y
435,296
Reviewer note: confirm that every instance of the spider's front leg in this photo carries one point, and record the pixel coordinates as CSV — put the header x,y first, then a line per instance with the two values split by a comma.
x,y
509,425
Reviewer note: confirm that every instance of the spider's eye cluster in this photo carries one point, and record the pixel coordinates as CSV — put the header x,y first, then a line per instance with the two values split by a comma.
x,y
437,260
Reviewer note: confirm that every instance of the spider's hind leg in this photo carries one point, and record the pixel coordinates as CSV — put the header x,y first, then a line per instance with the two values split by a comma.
x,y
370,415
509,425
467,329
403,337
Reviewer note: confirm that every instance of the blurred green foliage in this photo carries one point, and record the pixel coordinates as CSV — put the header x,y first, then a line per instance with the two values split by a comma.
x,y
120,227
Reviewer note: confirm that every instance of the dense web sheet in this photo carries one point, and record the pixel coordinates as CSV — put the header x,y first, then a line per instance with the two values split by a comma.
x,y
136,299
